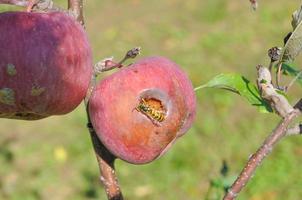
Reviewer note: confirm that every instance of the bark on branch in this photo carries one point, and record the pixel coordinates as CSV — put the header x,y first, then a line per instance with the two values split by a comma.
x,y
106,165
254,4
23,3
282,107
104,157
257,158
76,7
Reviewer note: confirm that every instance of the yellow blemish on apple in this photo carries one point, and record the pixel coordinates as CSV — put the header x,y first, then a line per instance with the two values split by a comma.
x,y
11,69
36,90
7,96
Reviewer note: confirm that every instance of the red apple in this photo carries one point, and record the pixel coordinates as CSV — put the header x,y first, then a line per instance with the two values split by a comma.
x,y
45,64
139,111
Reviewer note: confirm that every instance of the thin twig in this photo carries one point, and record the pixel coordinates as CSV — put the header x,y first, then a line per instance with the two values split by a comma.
x,y
108,64
256,159
282,107
104,157
76,7
254,4
23,3
29,4
278,75
36,5
106,164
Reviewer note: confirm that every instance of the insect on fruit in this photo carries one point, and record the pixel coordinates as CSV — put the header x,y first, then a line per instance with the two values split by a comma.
x,y
156,115
138,113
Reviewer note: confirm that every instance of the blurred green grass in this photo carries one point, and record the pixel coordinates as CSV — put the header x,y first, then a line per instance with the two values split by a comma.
x,y
53,158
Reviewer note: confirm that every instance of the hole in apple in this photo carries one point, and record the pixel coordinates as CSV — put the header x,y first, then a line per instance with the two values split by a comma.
x,y
153,104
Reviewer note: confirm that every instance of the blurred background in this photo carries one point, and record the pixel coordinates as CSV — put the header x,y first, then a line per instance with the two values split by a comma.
x,y
53,159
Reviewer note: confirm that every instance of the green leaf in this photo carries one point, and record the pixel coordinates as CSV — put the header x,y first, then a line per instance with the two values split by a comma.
x,y
239,85
293,45
297,18
292,71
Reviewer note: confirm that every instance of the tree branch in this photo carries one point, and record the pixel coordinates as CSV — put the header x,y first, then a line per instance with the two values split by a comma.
x,y
37,5
76,7
106,164
257,158
104,157
23,3
254,4
282,107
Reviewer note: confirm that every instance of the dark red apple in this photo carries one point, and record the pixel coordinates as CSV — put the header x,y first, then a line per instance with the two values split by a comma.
x,y
139,111
45,64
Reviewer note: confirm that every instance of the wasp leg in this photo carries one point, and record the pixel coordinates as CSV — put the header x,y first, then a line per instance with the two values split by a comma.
x,y
155,122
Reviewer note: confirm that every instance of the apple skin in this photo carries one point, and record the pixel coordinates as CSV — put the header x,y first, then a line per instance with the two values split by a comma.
x,y
128,133
45,64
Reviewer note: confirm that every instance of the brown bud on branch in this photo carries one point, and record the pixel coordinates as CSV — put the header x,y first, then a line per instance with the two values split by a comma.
x,y
277,101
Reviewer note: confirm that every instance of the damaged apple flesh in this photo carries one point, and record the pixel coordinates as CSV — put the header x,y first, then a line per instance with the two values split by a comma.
x,y
45,64
139,111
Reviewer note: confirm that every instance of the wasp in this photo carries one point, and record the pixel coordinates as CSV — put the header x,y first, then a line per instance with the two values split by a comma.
x,y
152,113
